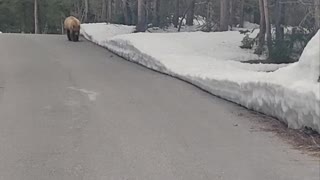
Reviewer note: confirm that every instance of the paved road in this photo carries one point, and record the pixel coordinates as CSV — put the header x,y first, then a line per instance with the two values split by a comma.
x,y
74,111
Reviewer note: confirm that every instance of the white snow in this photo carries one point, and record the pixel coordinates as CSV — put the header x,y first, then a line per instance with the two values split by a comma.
x,y
212,62
104,31
249,25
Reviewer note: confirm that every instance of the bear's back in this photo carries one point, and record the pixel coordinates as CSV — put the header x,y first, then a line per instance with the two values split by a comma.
x,y
71,22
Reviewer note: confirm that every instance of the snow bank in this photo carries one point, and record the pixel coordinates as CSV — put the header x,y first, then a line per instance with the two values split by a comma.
x,y
211,61
309,63
299,89
103,31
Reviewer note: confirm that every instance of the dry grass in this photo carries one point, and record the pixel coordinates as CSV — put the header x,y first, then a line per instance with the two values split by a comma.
x,y
305,140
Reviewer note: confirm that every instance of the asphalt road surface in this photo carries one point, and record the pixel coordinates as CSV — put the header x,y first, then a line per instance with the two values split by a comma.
x,y
74,111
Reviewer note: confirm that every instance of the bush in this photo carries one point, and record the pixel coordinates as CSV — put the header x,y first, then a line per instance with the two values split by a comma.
x,y
291,46
285,50
247,42
281,51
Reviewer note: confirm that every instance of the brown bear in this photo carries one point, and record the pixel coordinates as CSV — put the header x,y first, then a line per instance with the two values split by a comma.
x,y
72,26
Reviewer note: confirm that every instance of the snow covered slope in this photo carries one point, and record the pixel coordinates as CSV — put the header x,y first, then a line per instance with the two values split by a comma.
x,y
211,61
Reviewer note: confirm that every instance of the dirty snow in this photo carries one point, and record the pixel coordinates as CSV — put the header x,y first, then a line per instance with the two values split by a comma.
x,y
212,62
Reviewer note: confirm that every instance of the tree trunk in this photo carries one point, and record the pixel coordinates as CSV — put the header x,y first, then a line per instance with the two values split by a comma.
x,y
104,10
155,13
126,12
268,26
62,25
317,13
86,10
209,17
76,10
241,23
176,14
142,24
117,11
109,18
231,13
280,14
224,15
36,22
262,33
133,14
190,15
164,7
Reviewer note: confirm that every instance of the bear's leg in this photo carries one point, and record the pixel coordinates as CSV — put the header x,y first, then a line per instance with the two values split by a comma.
x,y
75,35
72,36
69,35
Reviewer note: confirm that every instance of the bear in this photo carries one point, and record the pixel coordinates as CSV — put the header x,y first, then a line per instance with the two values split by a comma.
x,y
72,26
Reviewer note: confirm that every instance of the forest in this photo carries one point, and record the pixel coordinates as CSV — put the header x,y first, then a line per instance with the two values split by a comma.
x,y
299,17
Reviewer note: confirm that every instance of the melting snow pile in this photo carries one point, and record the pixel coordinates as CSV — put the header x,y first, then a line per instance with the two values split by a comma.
x,y
211,61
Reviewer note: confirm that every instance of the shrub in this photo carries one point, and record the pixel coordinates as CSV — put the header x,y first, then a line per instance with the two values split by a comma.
x,y
247,42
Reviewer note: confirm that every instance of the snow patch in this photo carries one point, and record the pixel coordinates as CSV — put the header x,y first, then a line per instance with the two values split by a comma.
x,y
211,61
